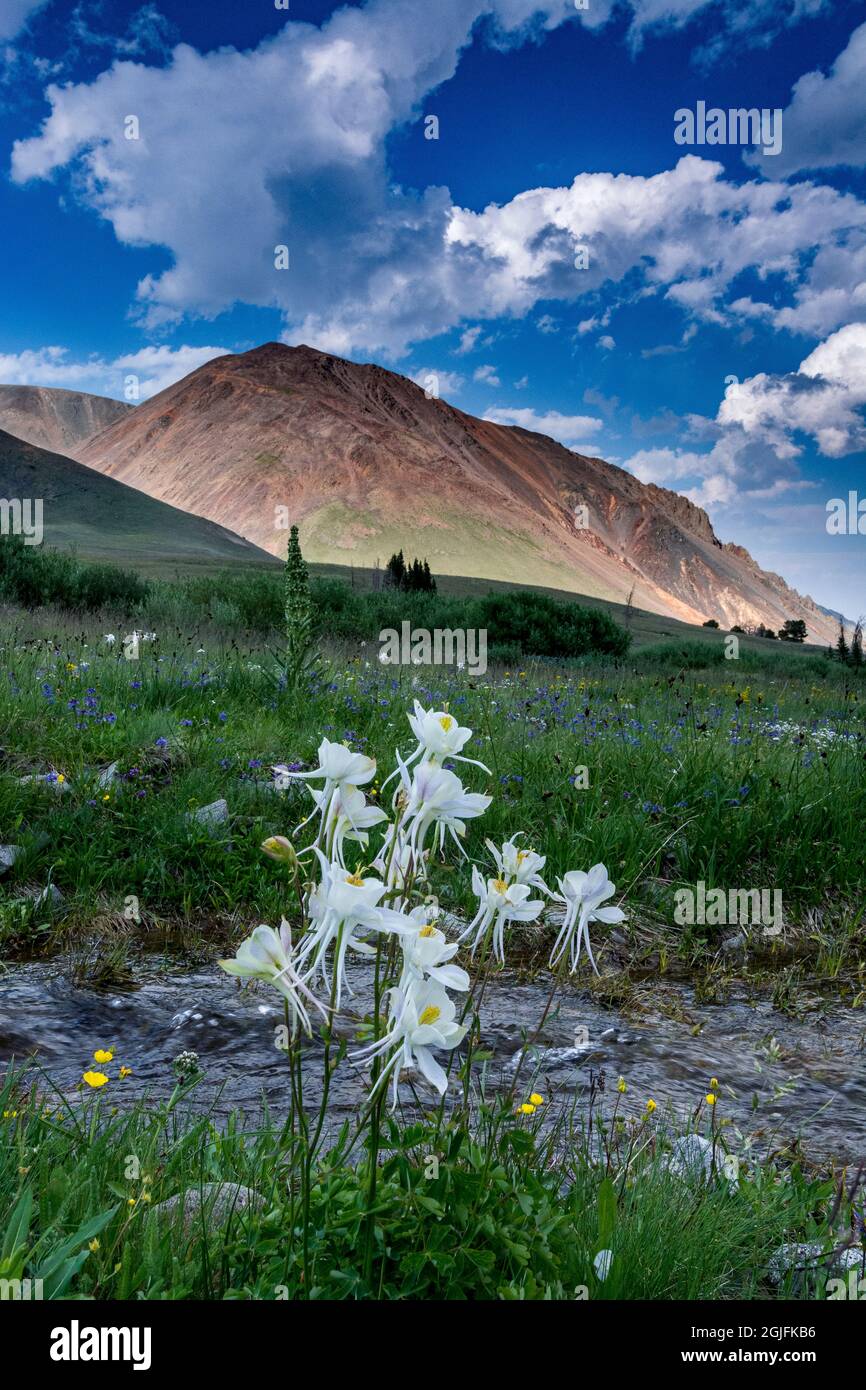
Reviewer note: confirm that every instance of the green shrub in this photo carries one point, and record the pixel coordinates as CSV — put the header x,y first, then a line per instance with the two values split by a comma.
x,y
35,576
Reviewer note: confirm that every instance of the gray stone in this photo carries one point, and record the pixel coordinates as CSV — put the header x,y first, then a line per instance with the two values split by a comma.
x,y
212,816
41,896
8,855
804,1260
59,787
691,1158
734,943
213,1204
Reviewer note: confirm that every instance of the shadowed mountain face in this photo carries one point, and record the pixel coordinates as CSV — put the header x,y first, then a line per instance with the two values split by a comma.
x,y
104,519
366,464
57,420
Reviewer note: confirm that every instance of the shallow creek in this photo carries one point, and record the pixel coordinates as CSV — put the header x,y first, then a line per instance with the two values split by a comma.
x,y
781,1077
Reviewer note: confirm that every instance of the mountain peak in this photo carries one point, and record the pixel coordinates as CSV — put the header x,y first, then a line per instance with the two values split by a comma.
x,y
367,464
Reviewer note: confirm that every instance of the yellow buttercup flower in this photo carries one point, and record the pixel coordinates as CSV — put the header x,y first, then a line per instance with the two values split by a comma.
x,y
536,1099
95,1079
526,1109
714,1085
103,1055
710,1098
651,1106
93,1246
621,1086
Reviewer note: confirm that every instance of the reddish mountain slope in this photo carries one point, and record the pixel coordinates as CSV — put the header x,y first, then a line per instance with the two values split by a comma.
x,y
365,464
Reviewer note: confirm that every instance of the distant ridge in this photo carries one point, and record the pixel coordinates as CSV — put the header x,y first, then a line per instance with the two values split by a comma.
x,y
56,419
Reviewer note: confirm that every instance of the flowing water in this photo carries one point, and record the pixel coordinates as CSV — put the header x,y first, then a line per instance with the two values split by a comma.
x,y
781,1077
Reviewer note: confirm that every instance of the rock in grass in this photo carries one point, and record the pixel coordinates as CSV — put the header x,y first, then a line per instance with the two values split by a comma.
x,y
806,1260
734,943
107,776
50,780
8,855
42,896
690,1158
211,1205
212,816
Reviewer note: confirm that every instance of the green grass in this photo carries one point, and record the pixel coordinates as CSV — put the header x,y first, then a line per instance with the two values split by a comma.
x,y
686,778
509,1209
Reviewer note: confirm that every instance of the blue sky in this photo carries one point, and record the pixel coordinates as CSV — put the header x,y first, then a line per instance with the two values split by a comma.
x,y
694,313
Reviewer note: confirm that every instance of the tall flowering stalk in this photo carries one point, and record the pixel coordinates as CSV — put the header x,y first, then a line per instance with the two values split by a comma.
x,y
300,624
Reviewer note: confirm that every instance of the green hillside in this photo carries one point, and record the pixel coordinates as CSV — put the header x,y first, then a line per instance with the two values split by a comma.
x,y
101,519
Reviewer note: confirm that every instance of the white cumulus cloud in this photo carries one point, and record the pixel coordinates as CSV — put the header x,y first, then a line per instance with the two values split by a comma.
x,y
567,429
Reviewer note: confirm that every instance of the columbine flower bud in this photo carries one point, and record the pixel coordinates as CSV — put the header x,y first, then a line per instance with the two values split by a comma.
x,y
279,848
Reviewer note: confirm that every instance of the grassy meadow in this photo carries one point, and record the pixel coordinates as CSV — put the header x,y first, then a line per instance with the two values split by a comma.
x,y
666,762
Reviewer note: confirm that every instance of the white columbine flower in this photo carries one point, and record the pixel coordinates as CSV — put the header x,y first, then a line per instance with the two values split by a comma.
x,y
399,866
437,797
426,953
346,816
582,895
498,904
338,767
439,737
422,1017
109,639
267,955
340,906
519,865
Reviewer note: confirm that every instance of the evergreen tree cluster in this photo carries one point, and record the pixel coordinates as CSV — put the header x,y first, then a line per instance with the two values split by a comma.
x,y
851,655
413,578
